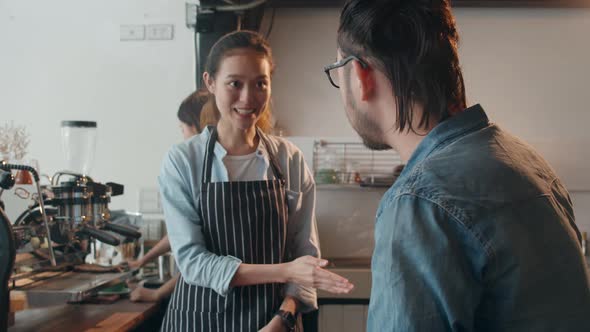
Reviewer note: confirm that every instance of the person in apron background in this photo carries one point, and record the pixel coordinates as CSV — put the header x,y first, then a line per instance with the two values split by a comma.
x,y
239,207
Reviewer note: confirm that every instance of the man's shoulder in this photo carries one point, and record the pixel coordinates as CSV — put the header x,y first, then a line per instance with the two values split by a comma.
x,y
479,172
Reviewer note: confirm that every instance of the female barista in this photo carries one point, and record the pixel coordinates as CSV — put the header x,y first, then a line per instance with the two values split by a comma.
x,y
239,207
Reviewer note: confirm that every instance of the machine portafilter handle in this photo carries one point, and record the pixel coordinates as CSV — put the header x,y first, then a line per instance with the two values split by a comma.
x,y
116,189
6,166
100,235
123,230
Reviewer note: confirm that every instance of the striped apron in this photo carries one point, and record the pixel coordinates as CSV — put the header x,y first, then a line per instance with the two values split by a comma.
x,y
247,220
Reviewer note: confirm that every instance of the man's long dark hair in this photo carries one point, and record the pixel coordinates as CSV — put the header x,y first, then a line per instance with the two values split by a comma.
x,y
414,43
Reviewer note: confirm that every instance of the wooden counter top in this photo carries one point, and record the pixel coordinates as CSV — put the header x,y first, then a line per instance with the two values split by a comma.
x,y
122,315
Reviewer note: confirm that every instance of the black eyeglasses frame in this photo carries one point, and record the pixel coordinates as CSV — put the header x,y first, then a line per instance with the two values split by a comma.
x,y
341,63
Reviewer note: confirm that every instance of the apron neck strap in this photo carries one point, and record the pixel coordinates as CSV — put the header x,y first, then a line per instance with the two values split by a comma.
x,y
276,168
210,153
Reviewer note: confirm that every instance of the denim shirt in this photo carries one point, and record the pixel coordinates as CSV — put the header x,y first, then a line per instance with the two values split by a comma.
x,y
477,234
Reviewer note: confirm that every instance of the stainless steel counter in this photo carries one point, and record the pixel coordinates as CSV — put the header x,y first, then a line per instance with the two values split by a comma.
x,y
69,286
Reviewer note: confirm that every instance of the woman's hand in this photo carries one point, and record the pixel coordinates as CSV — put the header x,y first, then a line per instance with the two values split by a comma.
x,y
135,264
142,294
275,325
308,271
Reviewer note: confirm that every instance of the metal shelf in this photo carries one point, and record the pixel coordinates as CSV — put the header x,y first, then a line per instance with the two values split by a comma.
x,y
346,164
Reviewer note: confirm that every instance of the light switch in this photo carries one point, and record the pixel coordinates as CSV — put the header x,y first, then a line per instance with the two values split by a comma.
x,y
160,32
131,32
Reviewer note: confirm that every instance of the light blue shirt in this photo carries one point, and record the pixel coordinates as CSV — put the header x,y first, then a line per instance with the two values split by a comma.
x,y
477,234
180,187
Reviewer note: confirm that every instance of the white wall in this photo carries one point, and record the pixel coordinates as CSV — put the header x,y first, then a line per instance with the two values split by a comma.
x,y
62,59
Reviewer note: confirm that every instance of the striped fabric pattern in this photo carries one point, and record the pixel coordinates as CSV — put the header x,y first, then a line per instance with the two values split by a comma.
x,y
247,220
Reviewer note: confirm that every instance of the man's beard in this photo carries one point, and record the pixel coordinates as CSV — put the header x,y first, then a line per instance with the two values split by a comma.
x,y
366,128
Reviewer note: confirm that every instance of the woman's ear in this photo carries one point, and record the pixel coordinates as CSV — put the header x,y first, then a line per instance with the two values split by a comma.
x,y
366,80
209,82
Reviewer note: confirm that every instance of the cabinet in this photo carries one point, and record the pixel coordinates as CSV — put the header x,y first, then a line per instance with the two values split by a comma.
x,y
343,318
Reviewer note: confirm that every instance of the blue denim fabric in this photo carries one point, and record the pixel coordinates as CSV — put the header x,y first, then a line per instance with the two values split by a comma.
x,y
477,234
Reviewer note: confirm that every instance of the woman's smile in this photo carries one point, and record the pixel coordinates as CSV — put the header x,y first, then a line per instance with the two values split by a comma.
x,y
244,111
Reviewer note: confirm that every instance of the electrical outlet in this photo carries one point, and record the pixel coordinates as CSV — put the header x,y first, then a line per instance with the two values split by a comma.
x,y
131,32
160,32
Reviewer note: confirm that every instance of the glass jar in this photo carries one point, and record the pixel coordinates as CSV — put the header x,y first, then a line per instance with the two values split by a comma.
x,y
79,144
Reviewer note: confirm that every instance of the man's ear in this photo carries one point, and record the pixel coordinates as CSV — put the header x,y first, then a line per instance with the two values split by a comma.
x,y
366,80
209,82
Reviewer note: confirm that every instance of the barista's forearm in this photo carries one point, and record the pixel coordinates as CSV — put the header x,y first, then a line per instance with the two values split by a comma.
x,y
255,274
162,247
166,289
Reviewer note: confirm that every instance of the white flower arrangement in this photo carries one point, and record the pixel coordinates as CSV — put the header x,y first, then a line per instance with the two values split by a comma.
x,y
14,141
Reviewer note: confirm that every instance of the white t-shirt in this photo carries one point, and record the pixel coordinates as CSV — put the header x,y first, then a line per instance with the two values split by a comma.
x,y
245,168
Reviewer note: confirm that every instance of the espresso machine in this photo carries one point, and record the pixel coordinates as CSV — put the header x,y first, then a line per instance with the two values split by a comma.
x,y
57,233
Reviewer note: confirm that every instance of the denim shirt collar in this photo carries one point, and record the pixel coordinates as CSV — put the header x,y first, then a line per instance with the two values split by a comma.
x,y
471,119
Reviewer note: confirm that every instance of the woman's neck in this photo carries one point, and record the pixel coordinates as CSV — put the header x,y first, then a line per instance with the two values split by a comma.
x,y
236,141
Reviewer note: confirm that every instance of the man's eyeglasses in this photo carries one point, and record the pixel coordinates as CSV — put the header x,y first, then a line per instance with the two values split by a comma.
x,y
339,64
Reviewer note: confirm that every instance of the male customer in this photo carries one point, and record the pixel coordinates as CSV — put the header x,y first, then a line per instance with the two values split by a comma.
x,y
477,233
